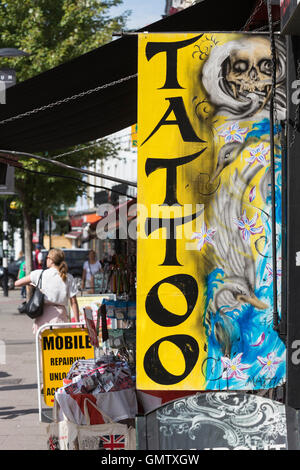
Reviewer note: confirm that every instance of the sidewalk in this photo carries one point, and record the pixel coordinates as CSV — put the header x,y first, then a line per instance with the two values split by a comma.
x,y
20,428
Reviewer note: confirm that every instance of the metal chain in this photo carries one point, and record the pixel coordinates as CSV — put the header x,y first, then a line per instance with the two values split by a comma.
x,y
76,150
98,141
275,23
258,6
66,100
274,62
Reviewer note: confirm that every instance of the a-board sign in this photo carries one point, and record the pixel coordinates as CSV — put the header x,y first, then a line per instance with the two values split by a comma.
x,y
60,349
92,301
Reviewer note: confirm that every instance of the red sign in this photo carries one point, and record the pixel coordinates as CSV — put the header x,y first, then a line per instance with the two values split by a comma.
x,y
76,222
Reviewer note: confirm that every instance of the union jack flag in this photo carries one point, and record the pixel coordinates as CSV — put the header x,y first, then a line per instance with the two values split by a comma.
x,y
112,442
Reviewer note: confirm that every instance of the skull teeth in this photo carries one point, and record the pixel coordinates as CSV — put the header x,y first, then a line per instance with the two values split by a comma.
x,y
241,90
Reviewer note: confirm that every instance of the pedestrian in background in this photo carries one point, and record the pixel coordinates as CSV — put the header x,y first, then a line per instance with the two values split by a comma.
x,y
38,257
22,274
90,269
59,288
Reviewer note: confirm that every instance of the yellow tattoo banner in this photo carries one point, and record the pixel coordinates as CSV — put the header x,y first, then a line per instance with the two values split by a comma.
x,y
205,268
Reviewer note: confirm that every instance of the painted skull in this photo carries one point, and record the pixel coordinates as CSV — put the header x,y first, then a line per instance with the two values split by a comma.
x,y
249,69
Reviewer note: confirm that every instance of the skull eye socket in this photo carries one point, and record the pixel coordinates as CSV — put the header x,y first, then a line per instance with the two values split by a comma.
x,y
265,66
240,66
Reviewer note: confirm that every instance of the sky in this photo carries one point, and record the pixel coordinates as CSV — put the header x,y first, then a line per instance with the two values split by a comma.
x,y
144,12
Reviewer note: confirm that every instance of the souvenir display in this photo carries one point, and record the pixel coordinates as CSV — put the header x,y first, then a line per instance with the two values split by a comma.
x,y
120,309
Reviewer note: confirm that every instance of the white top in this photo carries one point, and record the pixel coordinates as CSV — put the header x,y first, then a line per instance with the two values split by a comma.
x,y
55,289
91,269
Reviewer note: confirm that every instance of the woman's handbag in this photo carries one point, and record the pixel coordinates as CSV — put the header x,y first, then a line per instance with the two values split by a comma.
x,y
34,307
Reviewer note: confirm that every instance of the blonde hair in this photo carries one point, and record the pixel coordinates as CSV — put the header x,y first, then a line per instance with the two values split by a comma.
x,y
58,258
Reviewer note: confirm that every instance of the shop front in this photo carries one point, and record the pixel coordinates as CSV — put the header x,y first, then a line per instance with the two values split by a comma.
x,y
181,346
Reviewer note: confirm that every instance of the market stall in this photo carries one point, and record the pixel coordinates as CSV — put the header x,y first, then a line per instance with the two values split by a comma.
x,y
98,402
88,373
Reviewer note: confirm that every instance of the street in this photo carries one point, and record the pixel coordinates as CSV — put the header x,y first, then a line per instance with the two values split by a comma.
x,y
20,428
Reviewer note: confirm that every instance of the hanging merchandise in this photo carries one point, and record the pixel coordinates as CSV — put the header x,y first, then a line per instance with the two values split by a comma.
x,y
107,382
62,435
110,376
123,341
110,436
66,435
90,324
120,309
118,277
103,317
119,338
92,301
101,279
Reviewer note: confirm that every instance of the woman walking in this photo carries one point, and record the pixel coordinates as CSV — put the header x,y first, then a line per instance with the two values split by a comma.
x,y
90,269
59,288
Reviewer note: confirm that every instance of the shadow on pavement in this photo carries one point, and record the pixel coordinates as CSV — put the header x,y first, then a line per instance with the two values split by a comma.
x,y
17,387
11,412
4,374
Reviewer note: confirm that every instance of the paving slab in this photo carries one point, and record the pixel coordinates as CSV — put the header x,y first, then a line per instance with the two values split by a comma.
x,y
20,428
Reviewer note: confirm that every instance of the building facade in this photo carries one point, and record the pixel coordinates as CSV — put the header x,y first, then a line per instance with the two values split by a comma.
x,y
104,195
173,6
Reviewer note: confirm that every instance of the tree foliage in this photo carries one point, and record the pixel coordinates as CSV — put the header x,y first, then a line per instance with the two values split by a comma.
x,y
49,186
54,31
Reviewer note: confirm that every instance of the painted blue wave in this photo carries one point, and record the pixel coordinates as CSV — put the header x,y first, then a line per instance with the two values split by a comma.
x,y
262,128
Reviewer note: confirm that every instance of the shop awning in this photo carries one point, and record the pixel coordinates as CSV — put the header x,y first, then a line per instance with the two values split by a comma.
x,y
111,109
74,235
91,218
78,220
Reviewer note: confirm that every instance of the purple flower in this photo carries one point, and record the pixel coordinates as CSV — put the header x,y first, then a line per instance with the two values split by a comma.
x,y
205,236
248,226
234,133
252,194
233,368
270,272
269,364
258,154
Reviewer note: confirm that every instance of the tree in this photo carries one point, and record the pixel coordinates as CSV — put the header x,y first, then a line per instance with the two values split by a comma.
x,y
14,217
53,32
